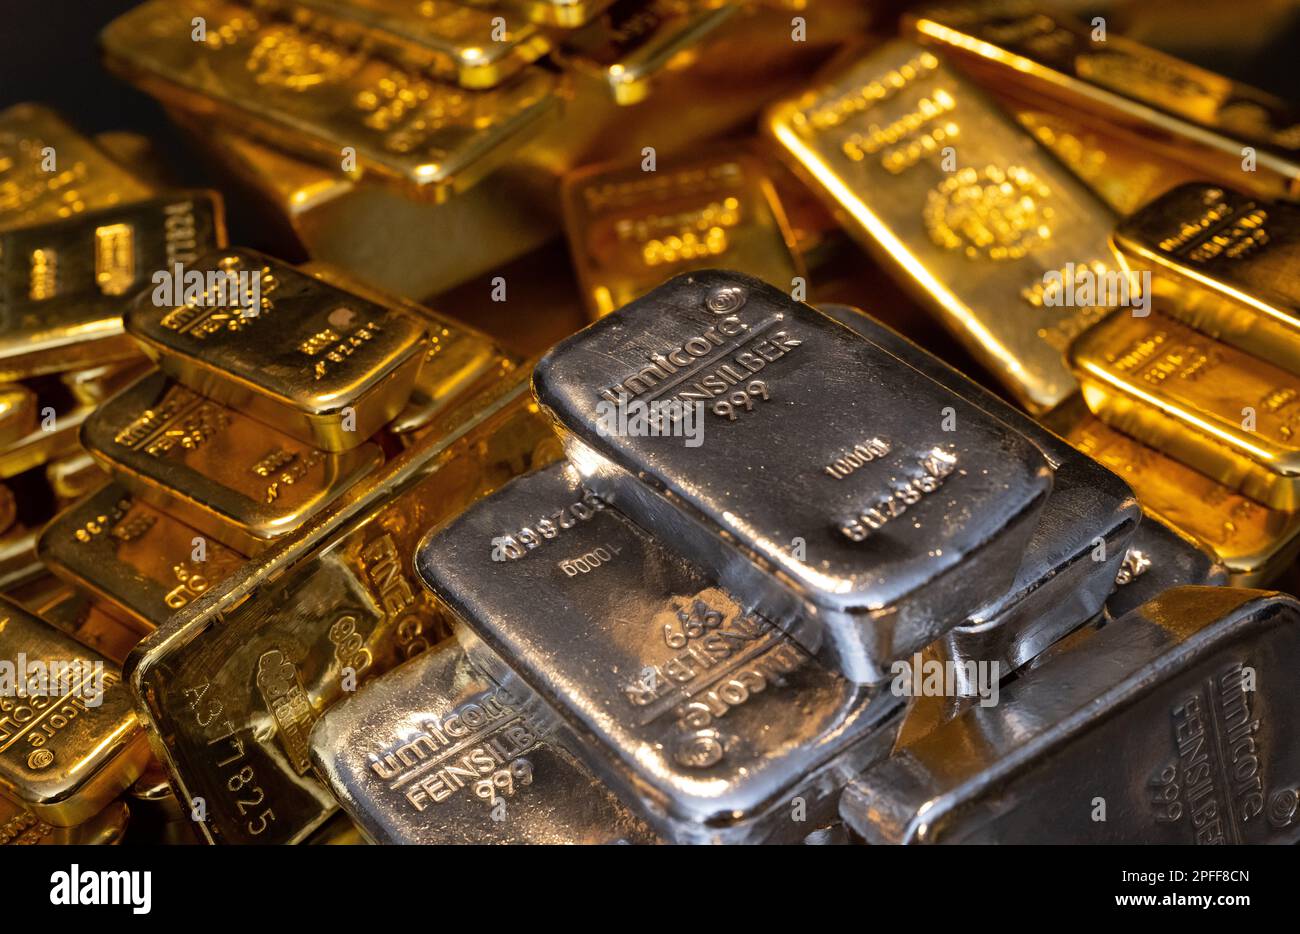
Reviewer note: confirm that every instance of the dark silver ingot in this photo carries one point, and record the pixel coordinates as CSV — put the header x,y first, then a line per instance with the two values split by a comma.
x,y
1152,718
1159,558
1073,556
707,719
431,752
825,488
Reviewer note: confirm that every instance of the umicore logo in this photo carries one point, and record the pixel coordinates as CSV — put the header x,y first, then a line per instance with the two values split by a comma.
x,y
103,887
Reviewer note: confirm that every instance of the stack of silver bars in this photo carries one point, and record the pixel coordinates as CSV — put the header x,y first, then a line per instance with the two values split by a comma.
x,y
736,562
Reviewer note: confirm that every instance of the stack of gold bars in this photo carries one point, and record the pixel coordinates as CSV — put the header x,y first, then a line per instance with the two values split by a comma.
x,y
289,557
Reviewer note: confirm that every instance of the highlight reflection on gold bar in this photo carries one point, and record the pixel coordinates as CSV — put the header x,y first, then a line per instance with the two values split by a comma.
x,y
213,467
69,743
20,827
303,90
630,230
1255,543
64,285
47,441
320,364
142,564
340,600
1172,106
73,476
75,613
459,43
1209,405
1225,263
33,139
925,171
17,413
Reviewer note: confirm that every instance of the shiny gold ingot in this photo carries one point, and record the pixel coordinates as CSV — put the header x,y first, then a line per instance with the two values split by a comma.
x,y
140,563
1209,405
320,364
926,172
69,741
446,39
232,684
20,827
64,285
1180,111
72,611
633,41
1225,263
630,230
403,244
300,89
1255,543
54,437
17,413
50,172
236,479
93,385
73,476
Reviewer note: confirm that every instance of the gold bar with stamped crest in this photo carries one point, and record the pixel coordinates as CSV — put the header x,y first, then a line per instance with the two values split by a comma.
x,y
933,178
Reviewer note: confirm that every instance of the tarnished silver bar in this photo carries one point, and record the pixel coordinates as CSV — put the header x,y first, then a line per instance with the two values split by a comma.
x,y
706,718
1159,558
434,753
1073,556
824,487
1176,724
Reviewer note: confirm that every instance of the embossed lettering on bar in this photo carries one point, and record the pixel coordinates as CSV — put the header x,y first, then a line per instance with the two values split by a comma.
x,y
231,477
940,184
1174,107
1180,716
81,178
1214,407
142,564
434,753
1225,263
309,93
275,640
1090,514
706,718
629,230
69,738
320,364
65,284
864,526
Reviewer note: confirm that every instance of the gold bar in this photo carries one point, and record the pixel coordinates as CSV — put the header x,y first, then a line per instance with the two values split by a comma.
x,y
17,413
1224,263
633,41
302,90
630,230
1175,108
448,40
339,598
93,385
69,740
1209,405
44,444
63,285
1255,543
236,479
978,242
76,614
73,476
140,563
20,827
83,177
320,364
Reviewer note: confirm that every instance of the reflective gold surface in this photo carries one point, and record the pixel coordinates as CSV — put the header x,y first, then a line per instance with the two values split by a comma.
x,y
234,681
75,613
1204,403
875,140
17,413
322,365
73,476
629,230
54,437
83,177
20,827
1225,263
304,90
231,477
69,745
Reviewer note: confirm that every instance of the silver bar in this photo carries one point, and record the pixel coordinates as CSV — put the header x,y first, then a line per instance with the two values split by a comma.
x,y
1073,556
1174,724
395,753
706,718
825,486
